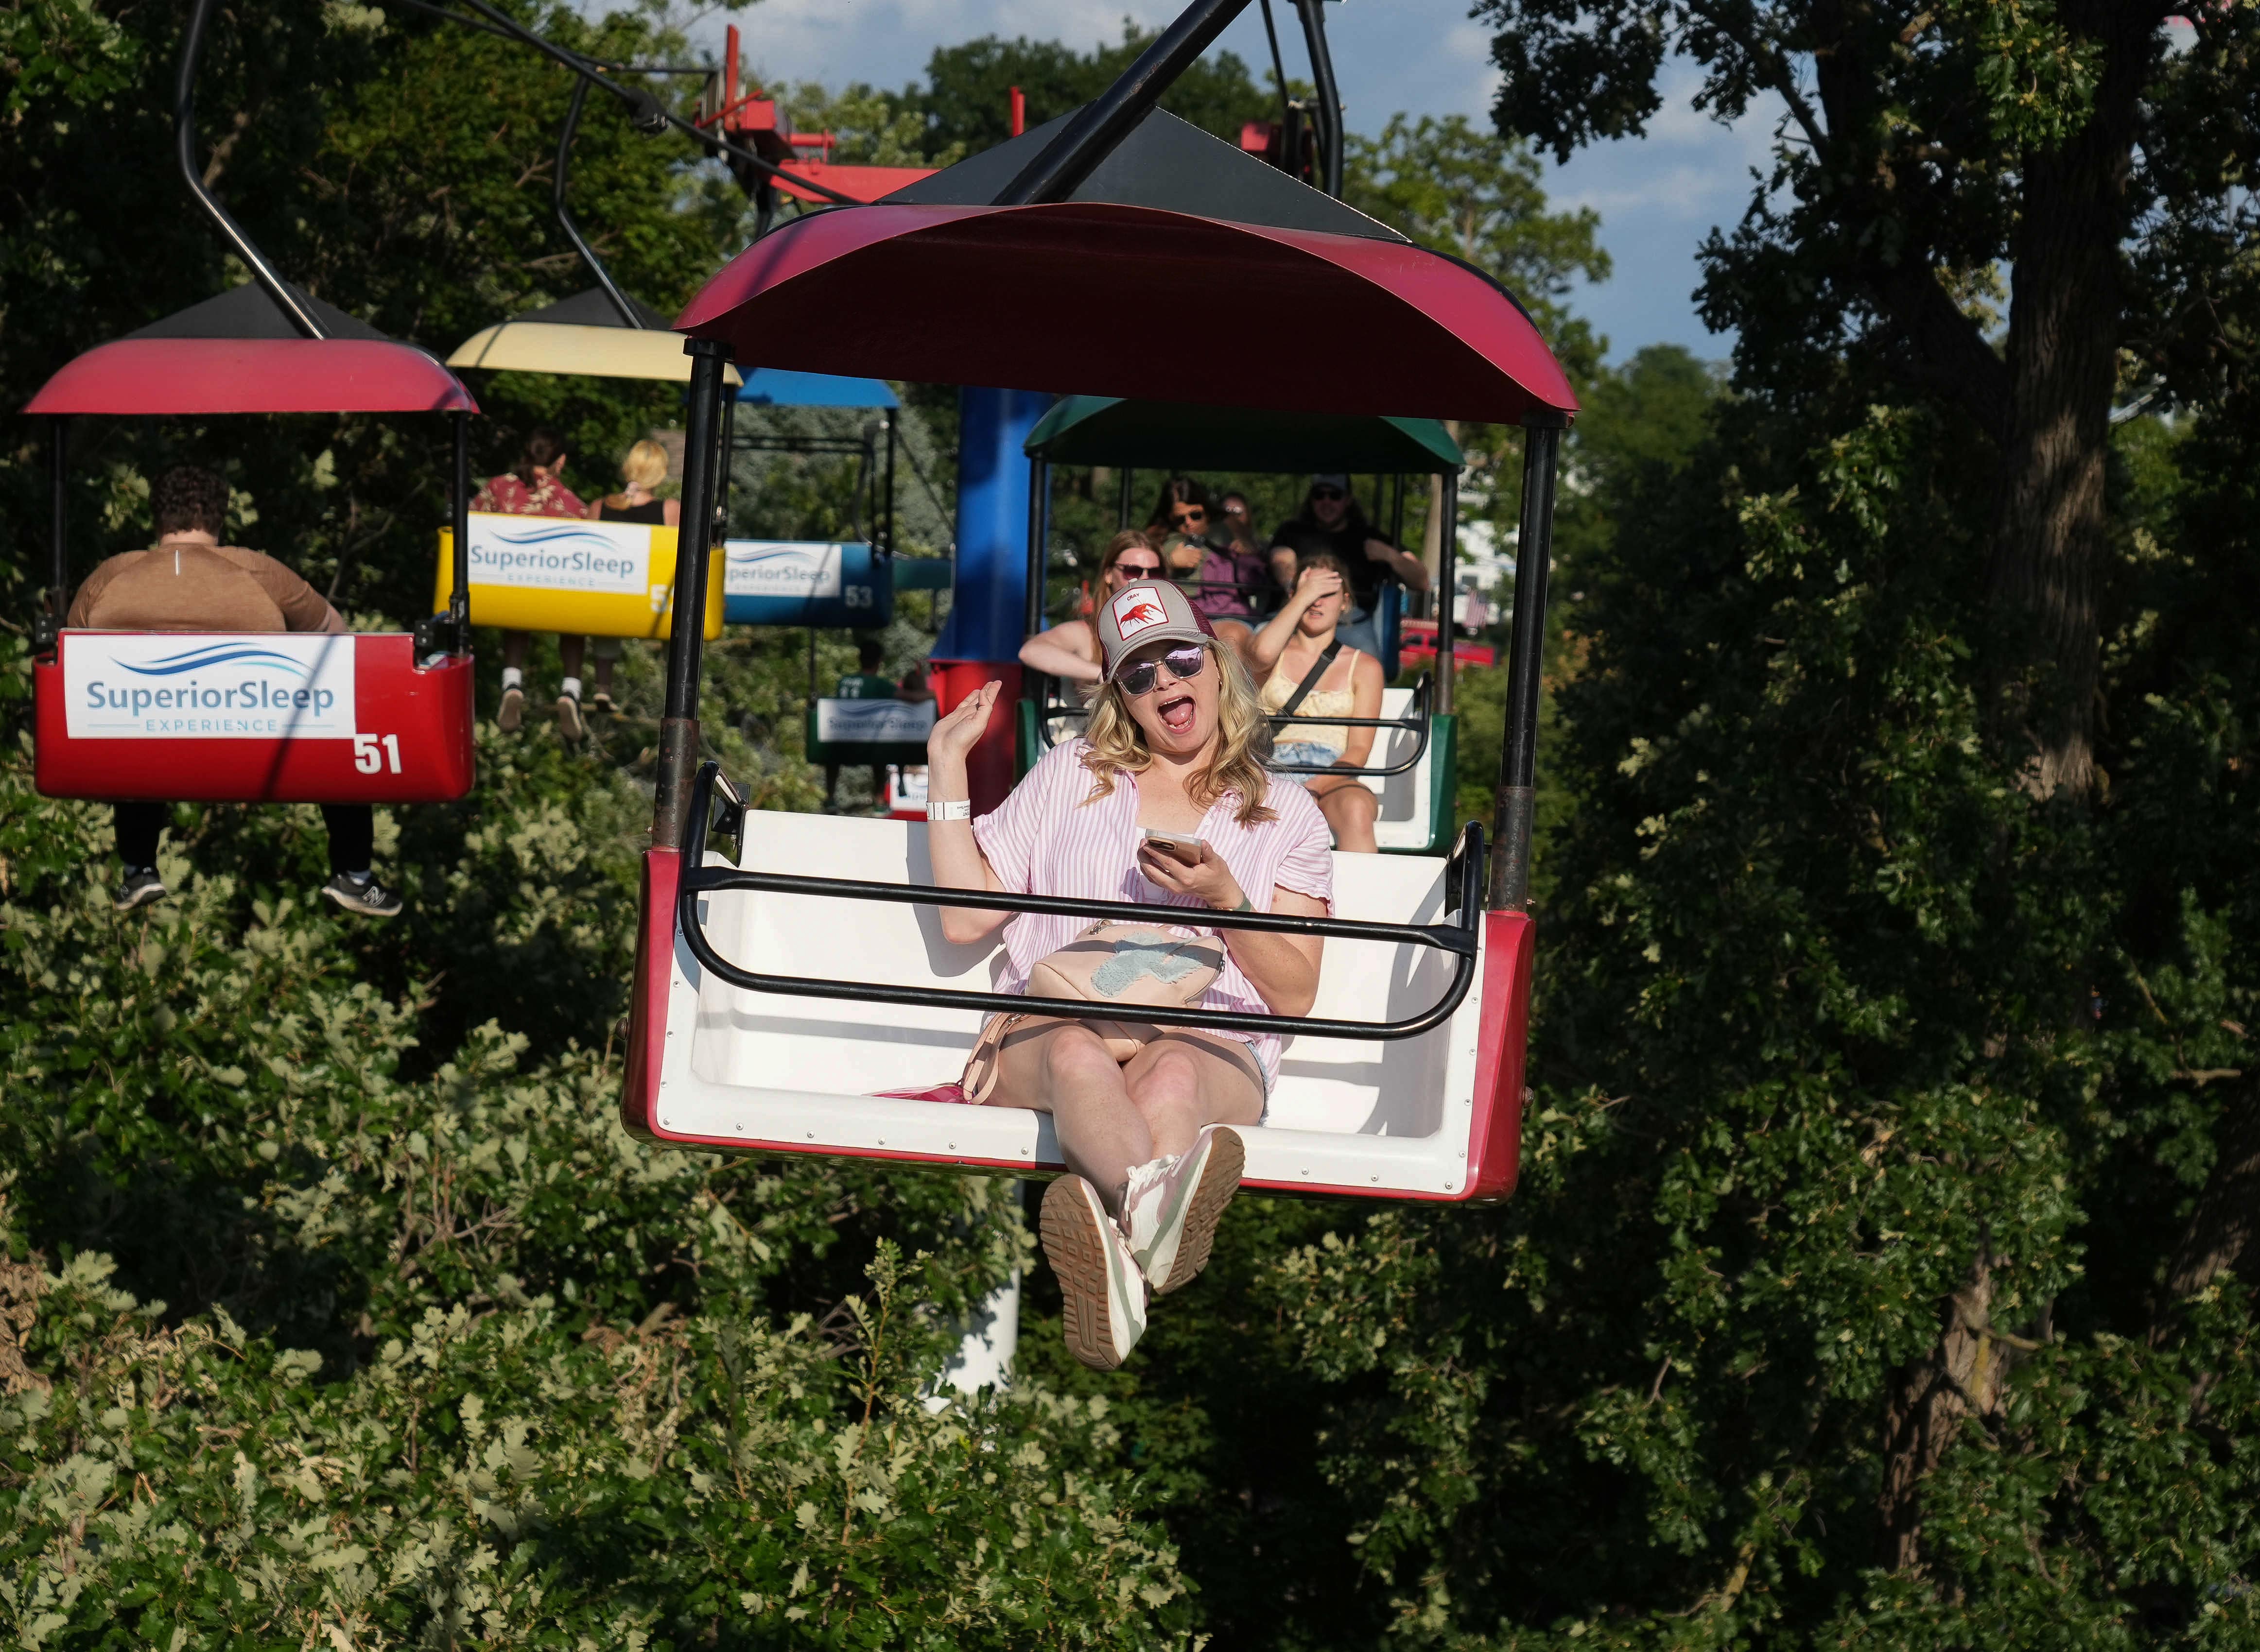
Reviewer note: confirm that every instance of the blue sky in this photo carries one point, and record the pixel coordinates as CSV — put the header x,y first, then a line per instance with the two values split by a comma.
x,y
1658,196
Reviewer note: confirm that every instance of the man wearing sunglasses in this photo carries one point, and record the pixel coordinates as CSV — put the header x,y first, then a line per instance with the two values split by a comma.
x,y
1332,520
1070,651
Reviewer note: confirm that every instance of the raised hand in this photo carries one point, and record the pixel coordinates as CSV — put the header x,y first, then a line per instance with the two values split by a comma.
x,y
1314,584
953,737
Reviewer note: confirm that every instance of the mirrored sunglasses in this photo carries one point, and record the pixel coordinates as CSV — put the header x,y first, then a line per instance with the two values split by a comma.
x,y
1184,663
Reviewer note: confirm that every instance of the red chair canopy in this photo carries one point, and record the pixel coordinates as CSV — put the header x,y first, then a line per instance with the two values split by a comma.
x,y
237,354
1108,299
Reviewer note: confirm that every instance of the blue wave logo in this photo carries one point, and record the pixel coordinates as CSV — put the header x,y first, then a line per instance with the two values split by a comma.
x,y
551,536
213,654
778,556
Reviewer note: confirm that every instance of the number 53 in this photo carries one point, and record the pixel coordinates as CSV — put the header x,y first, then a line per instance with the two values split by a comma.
x,y
369,760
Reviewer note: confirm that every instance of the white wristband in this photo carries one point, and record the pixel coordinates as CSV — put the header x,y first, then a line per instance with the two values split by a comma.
x,y
961,808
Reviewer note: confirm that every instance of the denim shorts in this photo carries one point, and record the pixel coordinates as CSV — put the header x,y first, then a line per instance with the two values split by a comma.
x,y
1315,752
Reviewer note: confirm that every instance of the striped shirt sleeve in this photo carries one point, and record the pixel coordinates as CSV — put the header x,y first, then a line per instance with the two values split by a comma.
x,y
1007,834
1308,865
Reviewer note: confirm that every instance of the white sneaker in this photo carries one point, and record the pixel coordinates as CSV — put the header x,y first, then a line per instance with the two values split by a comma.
x,y
1172,1206
1103,1298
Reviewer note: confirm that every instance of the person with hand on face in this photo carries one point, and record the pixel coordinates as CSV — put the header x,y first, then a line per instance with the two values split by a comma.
x,y
1070,651
1332,520
535,487
1147,1115
1287,653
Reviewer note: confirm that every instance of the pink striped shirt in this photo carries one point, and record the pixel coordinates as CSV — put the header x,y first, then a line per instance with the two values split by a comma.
x,y
1051,838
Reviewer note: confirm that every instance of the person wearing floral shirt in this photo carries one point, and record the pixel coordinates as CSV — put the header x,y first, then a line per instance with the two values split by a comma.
x,y
536,488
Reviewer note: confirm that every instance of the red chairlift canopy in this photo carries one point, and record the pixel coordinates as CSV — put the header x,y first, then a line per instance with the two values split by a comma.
x,y
238,353
1181,270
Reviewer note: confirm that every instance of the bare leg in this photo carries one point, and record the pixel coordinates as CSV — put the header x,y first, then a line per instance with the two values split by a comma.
x,y
1350,810
513,649
568,654
1062,1068
1183,1080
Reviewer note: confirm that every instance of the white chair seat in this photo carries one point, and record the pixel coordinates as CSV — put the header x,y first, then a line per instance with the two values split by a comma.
x,y
769,1072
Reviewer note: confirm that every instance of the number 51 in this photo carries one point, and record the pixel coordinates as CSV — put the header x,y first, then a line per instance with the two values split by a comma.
x,y
368,760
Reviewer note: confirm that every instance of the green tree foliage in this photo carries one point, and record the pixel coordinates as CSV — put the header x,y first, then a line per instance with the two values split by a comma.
x,y
966,99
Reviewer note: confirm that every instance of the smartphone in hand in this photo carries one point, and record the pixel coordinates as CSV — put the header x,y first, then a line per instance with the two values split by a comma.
x,y
1183,847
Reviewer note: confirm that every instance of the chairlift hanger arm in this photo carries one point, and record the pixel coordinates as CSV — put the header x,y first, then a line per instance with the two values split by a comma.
x,y
1458,935
184,141
644,107
620,302
1101,124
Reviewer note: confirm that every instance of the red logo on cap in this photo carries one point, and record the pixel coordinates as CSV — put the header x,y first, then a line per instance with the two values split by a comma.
x,y
1137,610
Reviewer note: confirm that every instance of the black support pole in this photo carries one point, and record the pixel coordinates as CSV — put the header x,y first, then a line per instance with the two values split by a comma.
x,y
458,514
678,727
1330,112
1122,509
890,420
1088,138
1516,798
1039,482
59,513
1441,601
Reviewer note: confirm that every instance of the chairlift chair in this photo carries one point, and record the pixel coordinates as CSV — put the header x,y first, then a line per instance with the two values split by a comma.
x,y
847,585
780,985
567,574
366,718
1412,770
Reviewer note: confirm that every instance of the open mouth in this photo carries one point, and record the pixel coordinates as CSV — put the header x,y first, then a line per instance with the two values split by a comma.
x,y
1176,712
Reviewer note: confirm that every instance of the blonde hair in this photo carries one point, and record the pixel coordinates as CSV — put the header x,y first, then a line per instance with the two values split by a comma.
x,y
645,465
1117,744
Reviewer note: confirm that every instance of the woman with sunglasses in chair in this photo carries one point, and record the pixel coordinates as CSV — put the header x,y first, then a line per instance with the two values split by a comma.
x,y
1165,802
1069,650
1226,580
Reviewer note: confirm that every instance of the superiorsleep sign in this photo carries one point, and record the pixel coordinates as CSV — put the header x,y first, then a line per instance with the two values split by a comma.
x,y
176,686
546,553
572,576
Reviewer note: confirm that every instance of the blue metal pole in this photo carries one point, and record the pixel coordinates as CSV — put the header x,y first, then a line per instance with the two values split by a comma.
x,y
989,602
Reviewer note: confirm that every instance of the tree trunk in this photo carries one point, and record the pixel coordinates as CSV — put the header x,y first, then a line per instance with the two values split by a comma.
x,y
2049,532
1964,1376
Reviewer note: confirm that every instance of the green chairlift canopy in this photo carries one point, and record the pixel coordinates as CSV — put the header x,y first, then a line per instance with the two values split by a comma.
x,y
1185,436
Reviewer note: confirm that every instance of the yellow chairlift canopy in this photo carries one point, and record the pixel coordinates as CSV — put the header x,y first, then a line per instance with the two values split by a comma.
x,y
581,334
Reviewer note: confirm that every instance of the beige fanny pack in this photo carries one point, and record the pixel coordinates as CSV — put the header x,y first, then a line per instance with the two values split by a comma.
x,y
1131,965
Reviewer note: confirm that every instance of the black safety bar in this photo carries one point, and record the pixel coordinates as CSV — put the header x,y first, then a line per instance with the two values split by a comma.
x,y
1414,721
1456,935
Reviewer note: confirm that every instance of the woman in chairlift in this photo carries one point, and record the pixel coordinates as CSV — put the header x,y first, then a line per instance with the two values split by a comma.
x,y
1165,801
1305,666
1070,651
642,470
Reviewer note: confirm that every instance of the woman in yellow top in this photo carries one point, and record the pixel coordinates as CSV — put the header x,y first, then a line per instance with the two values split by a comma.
x,y
1285,652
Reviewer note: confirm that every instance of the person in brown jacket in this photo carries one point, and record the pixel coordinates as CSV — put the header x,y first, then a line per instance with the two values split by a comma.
x,y
190,581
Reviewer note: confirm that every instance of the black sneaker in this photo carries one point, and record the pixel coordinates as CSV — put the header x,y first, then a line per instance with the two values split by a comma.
x,y
602,700
142,886
569,719
512,711
362,893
